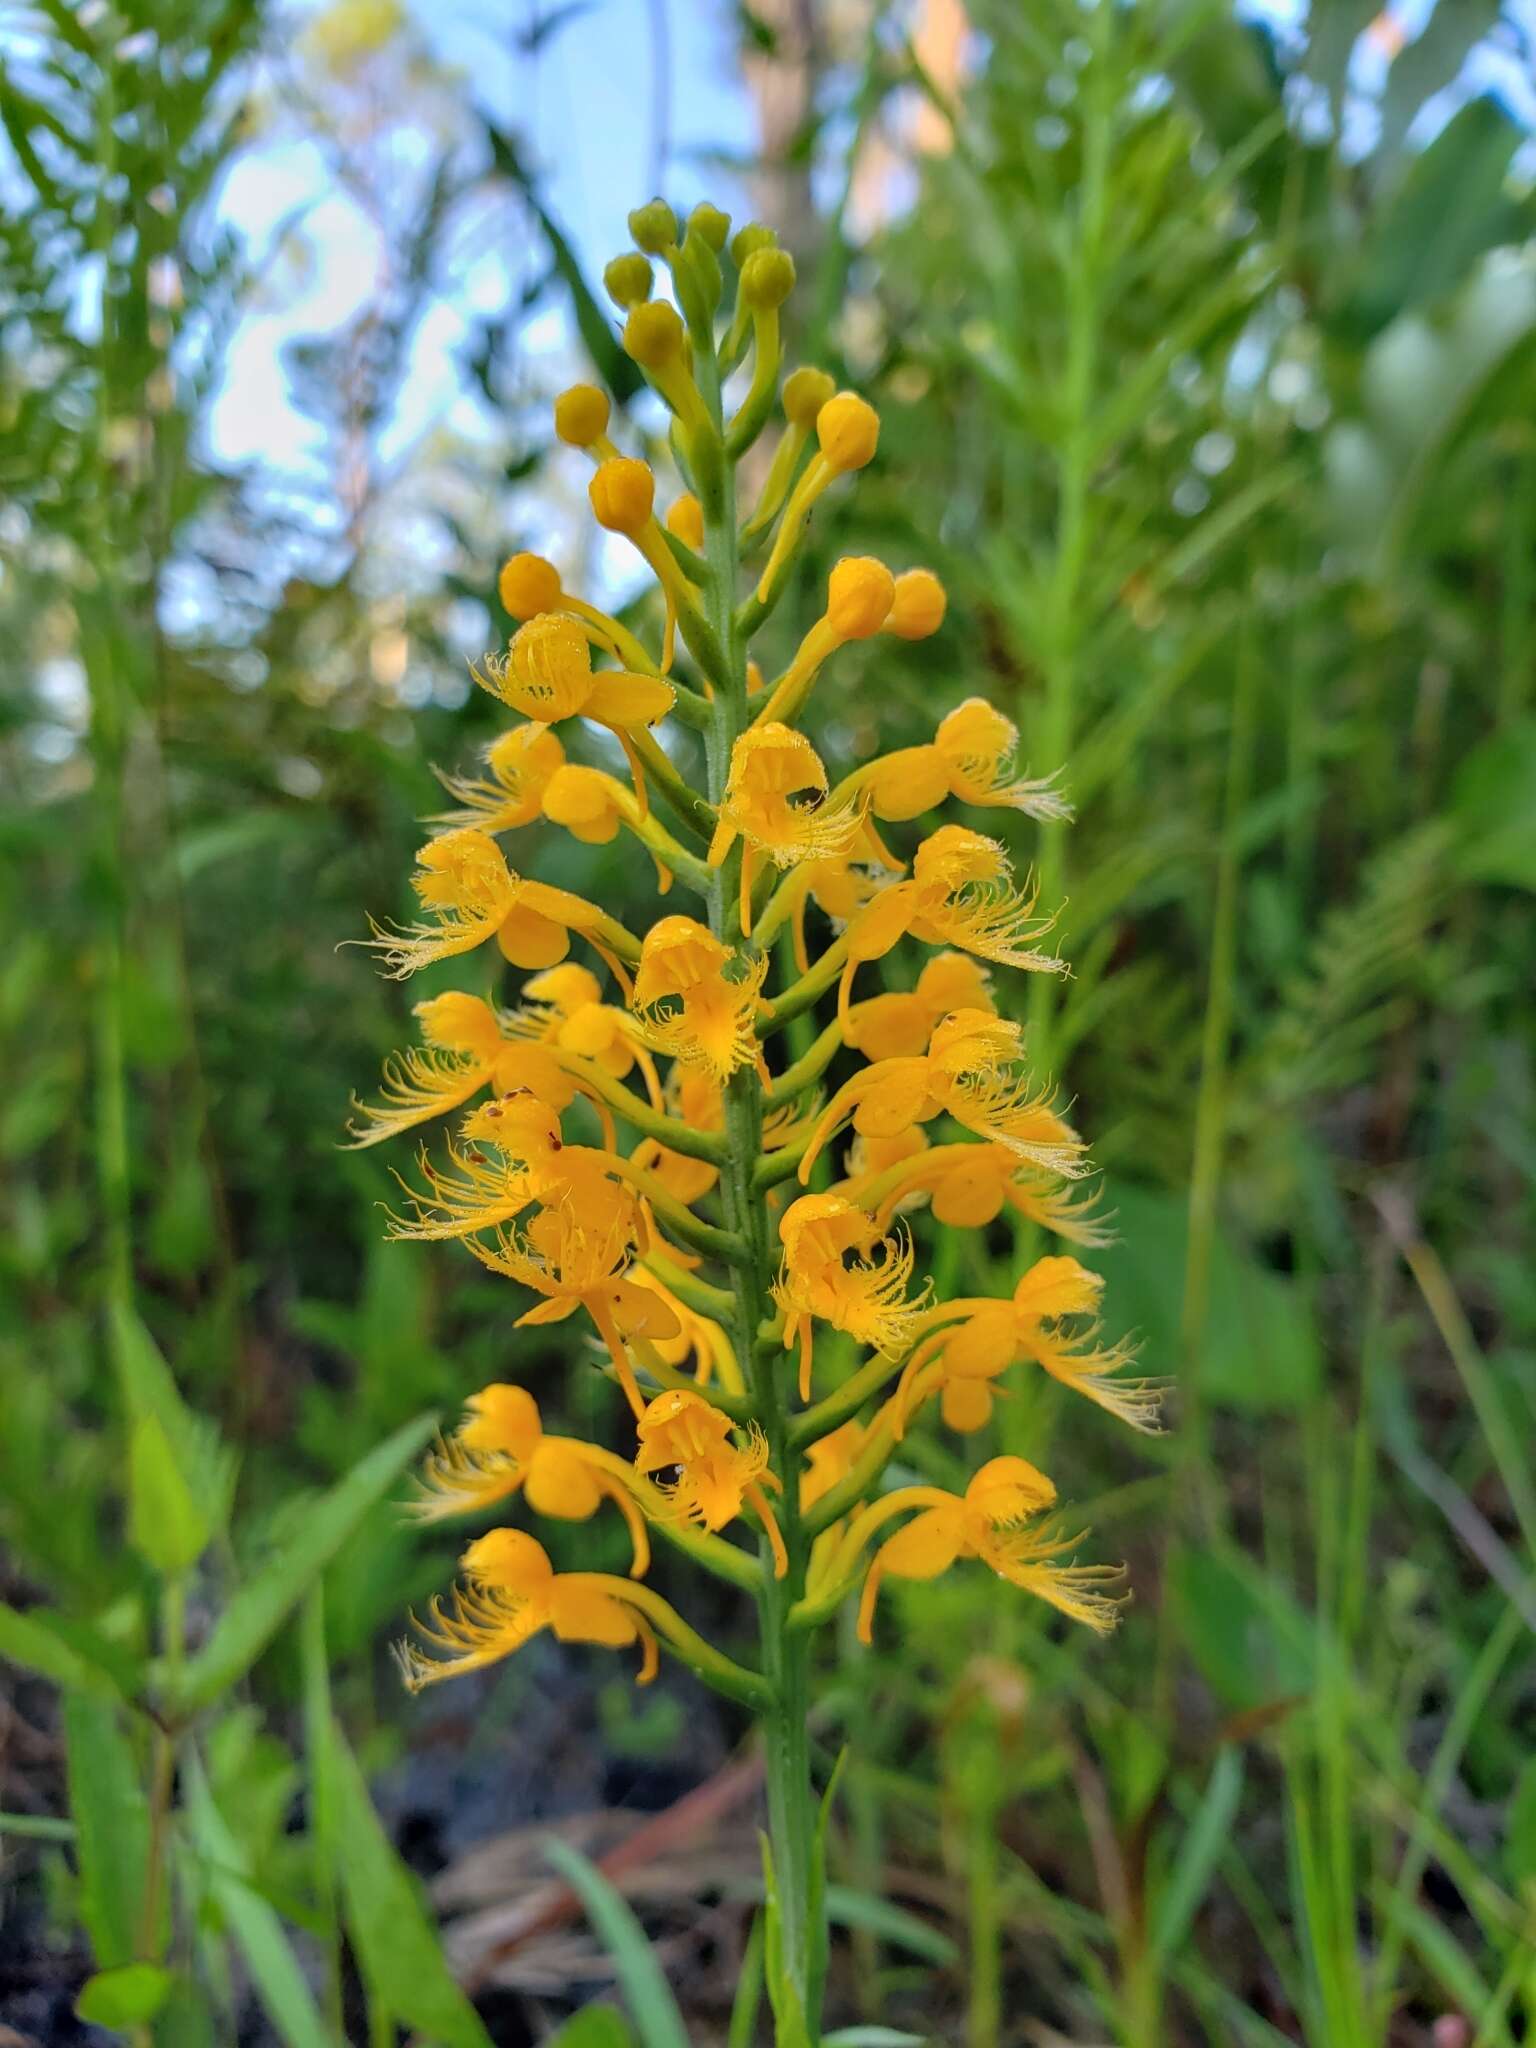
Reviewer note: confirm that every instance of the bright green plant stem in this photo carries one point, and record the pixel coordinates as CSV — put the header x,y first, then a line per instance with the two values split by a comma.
x,y
785,1652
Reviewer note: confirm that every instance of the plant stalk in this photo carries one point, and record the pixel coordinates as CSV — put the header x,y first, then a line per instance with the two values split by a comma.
x,y
785,1653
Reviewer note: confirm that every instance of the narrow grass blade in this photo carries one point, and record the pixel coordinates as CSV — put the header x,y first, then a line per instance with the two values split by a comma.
x,y
646,1991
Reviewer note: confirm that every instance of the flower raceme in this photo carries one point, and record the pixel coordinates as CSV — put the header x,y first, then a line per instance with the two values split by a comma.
x,y
658,1153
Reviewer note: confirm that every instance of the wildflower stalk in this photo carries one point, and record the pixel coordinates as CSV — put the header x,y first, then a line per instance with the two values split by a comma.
x,y
786,1652
686,1240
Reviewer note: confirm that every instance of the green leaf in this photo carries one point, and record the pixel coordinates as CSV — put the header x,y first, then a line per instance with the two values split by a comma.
x,y
749,1990
1453,205
111,1823
1260,1351
872,2037
164,1525
593,324
789,2023
127,1996
263,1604
1493,804
893,1924
1198,1854
1520,1829
646,1991
395,1939
595,2026
816,1900
1251,1641
206,1467
274,1970
69,1653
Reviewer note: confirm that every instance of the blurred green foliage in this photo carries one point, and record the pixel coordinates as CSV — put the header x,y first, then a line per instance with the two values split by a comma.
x,y
1227,436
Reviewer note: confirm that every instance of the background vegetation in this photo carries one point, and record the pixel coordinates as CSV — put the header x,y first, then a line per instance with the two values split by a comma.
x,y
1208,354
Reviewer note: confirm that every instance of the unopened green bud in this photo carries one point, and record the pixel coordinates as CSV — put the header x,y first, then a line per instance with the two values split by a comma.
x,y
806,391
753,236
696,273
711,223
654,227
628,279
767,279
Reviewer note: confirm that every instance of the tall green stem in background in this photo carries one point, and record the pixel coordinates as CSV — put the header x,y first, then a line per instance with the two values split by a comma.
x,y
1075,401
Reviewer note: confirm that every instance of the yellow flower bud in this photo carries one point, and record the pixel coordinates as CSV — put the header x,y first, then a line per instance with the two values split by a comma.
x,y
753,236
581,415
848,428
654,336
917,608
623,494
767,279
860,591
806,391
686,519
710,225
654,227
528,585
627,279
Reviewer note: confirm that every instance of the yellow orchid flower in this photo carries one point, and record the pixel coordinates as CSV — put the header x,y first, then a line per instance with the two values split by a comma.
x,y
968,1186
839,885
465,1046
990,1521
982,1338
511,1592
827,1274
959,894
970,757
578,1255
713,1475
770,766
569,1015
708,1020
464,881
532,1164
501,1449
520,764
899,1025
972,1072
547,675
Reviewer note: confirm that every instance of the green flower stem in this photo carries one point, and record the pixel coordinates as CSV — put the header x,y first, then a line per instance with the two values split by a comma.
x,y
688,705
667,1377
807,990
785,1652
749,422
849,1398
778,910
698,1295
693,1231
657,840
713,1553
717,1670
781,1164
808,1069
687,803
670,1131
855,1485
